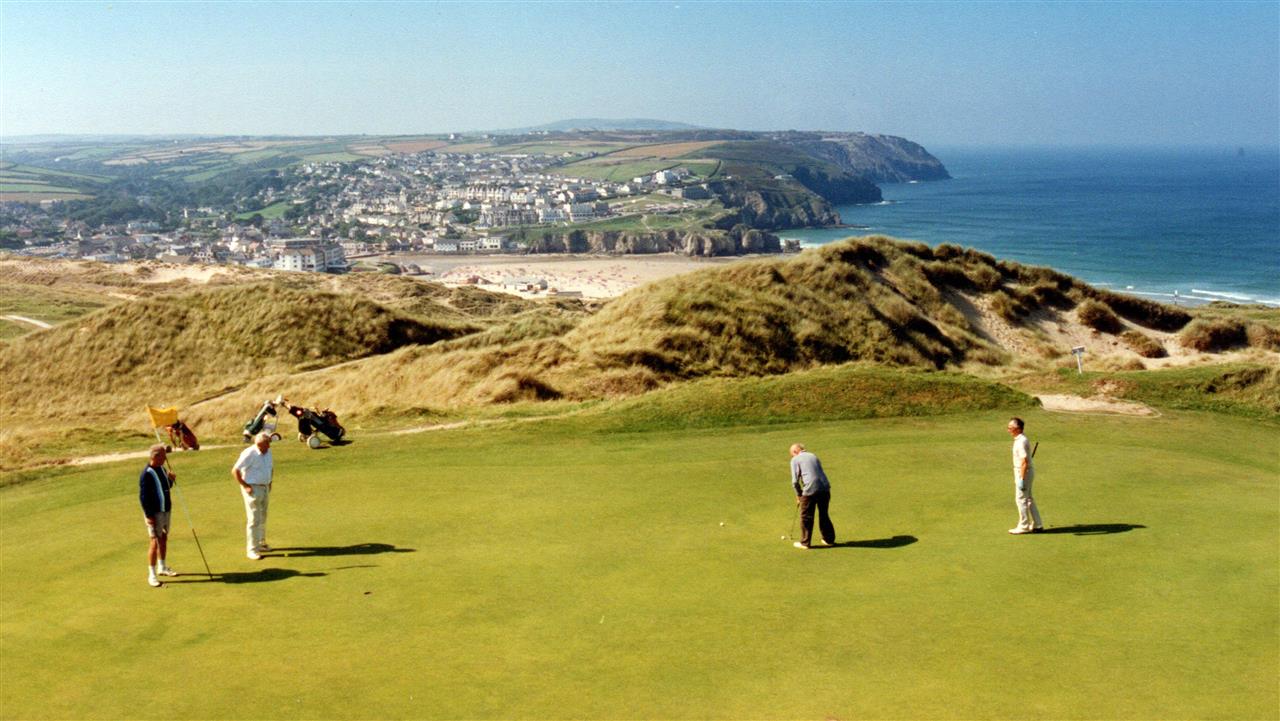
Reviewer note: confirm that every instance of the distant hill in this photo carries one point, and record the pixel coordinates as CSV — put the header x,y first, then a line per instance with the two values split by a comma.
x,y
561,126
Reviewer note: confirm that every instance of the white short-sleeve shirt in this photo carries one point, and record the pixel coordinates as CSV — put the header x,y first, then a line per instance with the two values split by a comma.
x,y
254,466
1021,450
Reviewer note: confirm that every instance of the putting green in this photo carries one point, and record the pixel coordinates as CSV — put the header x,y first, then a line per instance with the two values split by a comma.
x,y
547,570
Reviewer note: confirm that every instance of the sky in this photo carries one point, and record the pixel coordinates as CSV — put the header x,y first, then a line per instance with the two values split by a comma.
x,y
949,74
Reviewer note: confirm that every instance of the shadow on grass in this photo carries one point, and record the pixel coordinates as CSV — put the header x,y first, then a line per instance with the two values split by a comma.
x,y
359,549
895,542
332,444
1094,529
260,576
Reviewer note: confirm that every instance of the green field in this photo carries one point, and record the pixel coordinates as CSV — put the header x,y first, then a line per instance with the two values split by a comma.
x,y
576,147
571,569
618,171
271,212
338,157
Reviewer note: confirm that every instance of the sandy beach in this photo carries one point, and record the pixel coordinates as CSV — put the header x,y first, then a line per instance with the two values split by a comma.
x,y
593,276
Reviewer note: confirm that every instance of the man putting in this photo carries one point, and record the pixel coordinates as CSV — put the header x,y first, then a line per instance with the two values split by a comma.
x,y
813,491
253,472
1024,471
153,494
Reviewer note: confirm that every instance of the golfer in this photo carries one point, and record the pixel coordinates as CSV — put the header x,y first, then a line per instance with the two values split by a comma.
x,y
253,472
1024,472
813,491
153,494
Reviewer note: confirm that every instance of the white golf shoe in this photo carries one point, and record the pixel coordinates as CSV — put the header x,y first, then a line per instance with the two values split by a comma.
x,y
801,546
153,581
165,571
253,556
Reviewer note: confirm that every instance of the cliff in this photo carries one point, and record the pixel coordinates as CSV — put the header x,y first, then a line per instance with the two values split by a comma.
x,y
772,208
878,158
737,240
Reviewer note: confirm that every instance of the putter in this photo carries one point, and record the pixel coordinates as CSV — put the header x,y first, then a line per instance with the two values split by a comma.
x,y
183,500
794,516
1034,449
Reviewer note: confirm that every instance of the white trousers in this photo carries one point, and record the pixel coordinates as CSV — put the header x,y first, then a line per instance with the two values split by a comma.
x,y
255,511
1028,514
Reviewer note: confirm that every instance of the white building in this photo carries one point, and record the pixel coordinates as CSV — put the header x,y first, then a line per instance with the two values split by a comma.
x,y
307,255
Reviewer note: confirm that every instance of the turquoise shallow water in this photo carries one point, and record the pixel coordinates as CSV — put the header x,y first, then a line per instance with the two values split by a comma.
x,y
1201,223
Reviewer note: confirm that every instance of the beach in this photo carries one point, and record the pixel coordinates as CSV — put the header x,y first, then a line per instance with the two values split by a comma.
x,y
592,276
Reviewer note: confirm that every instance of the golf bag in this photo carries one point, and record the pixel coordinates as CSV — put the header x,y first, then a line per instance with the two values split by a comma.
x,y
311,422
265,420
180,434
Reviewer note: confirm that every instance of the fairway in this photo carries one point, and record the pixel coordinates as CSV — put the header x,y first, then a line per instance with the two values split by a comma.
x,y
552,570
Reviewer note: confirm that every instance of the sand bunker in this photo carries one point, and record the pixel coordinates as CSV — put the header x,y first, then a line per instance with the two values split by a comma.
x,y
1097,404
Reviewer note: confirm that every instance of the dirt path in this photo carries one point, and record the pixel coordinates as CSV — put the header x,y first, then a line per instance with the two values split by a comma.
x,y
135,455
124,456
32,321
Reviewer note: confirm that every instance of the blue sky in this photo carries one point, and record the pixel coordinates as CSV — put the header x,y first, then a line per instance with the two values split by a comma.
x,y
939,73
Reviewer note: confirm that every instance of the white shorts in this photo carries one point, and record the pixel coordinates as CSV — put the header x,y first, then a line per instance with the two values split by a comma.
x,y
158,525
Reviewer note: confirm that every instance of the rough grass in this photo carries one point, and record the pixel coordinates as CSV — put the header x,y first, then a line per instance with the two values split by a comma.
x,y
1213,336
1098,316
173,348
1143,344
369,341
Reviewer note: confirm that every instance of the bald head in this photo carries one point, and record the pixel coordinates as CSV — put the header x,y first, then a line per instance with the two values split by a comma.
x,y
797,449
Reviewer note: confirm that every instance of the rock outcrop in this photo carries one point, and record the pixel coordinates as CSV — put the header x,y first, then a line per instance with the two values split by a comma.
x,y
738,240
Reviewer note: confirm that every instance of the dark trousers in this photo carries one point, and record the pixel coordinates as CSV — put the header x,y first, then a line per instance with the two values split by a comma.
x,y
808,504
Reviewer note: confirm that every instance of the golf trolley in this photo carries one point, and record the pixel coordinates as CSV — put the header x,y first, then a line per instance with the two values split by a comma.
x,y
264,421
314,423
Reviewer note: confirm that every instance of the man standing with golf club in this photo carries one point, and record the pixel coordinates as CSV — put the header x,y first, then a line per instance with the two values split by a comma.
x,y
1024,471
153,494
813,491
253,472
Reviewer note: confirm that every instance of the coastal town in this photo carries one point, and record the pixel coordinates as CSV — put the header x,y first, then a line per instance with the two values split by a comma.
x,y
330,216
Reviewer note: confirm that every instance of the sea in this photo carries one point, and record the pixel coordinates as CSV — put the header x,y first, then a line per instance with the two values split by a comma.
x,y
1188,226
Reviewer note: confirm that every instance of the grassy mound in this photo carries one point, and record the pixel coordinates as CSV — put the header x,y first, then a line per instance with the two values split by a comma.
x,y
175,348
826,394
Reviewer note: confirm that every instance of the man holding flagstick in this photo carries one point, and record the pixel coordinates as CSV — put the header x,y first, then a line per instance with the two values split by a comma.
x,y
157,504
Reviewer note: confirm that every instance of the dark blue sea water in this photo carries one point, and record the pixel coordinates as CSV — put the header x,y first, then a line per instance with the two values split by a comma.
x,y
1202,223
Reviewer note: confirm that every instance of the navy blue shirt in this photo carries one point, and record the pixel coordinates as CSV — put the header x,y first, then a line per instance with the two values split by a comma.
x,y
153,491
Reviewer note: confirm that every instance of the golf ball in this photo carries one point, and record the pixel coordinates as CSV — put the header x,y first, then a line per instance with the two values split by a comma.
x,y
722,523
782,537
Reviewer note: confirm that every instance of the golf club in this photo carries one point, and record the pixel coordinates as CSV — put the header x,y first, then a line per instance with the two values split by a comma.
x,y
182,499
794,516
1034,449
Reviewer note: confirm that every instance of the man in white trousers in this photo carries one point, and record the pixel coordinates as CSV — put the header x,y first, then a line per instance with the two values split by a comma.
x,y
253,472
1024,472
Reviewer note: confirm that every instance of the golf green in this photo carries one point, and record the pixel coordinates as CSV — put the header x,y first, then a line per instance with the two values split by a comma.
x,y
550,570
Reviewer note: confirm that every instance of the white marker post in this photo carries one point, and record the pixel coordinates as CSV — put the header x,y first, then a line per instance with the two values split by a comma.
x,y
1078,352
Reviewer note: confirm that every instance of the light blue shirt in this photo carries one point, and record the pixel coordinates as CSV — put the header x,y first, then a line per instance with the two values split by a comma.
x,y
807,477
